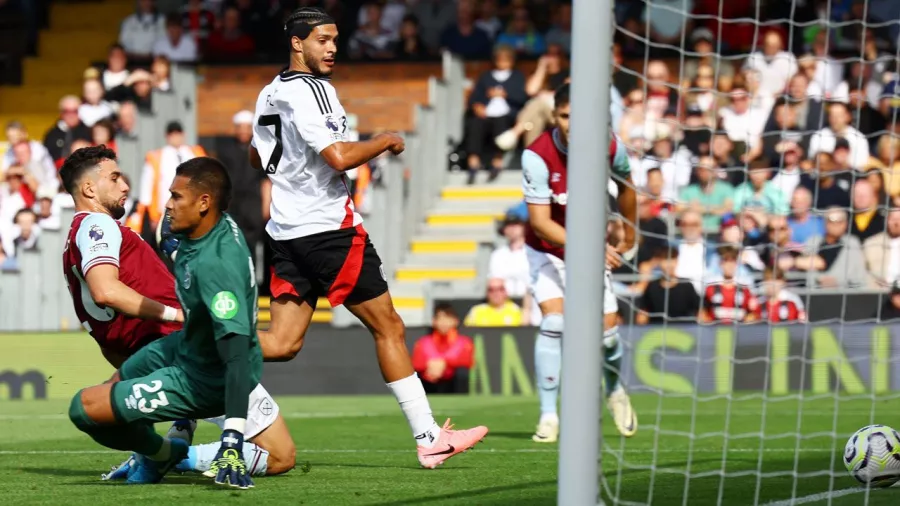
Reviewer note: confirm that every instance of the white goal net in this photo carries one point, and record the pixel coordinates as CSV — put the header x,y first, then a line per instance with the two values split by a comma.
x,y
764,140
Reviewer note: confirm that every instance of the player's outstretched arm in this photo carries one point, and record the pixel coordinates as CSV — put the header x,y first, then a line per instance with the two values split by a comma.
x,y
107,290
229,468
349,155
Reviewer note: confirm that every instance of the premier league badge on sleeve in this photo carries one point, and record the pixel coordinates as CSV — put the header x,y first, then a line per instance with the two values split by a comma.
x,y
95,233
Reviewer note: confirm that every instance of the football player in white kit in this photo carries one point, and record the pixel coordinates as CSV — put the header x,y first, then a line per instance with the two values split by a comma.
x,y
319,245
545,184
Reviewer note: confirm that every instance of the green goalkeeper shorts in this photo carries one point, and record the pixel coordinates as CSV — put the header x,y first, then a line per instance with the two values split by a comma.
x,y
152,389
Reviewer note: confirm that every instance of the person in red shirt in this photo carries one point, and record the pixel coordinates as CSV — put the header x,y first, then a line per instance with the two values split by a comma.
x,y
229,41
725,300
781,305
443,358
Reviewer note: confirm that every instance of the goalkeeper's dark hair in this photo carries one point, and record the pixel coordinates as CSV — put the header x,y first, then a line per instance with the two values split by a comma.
x,y
208,175
301,22
561,96
80,162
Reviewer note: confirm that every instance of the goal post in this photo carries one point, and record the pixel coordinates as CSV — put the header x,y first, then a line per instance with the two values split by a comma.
x,y
588,176
732,412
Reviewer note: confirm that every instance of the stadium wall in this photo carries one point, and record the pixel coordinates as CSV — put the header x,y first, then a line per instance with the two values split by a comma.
x,y
678,360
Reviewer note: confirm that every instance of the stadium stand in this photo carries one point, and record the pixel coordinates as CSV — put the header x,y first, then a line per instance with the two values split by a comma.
x,y
717,112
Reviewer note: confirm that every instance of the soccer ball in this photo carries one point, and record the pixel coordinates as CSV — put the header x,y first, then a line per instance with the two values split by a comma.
x,y
872,455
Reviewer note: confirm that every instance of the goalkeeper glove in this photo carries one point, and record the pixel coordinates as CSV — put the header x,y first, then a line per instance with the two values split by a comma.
x,y
229,468
167,241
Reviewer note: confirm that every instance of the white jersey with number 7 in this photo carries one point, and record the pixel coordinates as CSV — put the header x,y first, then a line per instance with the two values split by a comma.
x,y
297,116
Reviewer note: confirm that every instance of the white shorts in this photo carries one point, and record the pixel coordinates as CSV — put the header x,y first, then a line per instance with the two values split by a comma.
x,y
261,413
548,279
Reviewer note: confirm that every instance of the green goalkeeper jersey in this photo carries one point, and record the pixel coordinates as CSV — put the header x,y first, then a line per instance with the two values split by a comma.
x,y
217,289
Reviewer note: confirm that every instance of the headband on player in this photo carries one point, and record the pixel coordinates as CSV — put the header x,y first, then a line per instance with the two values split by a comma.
x,y
301,30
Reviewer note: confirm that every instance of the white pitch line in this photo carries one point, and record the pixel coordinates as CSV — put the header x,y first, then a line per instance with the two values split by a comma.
x,y
716,451
813,498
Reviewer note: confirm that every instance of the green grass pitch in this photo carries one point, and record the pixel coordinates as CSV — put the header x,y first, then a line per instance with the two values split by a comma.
x,y
358,450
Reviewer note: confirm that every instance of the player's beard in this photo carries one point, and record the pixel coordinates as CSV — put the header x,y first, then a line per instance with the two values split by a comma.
x,y
115,209
315,66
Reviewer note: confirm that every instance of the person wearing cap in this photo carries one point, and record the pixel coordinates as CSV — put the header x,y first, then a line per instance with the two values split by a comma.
x,y
157,176
250,188
702,38
510,263
138,88
58,140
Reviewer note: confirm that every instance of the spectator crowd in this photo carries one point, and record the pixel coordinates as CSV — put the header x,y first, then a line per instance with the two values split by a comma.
x,y
766,153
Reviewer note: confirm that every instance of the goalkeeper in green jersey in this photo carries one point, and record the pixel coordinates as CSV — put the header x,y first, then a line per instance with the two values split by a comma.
x,y
208,367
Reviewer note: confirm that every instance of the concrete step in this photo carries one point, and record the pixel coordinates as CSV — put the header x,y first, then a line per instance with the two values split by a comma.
x,y
463,219
483,232
38,71
440,260
497,206
413,272
506,178
410,301
36,124
87,16
482,192
36,99
425,246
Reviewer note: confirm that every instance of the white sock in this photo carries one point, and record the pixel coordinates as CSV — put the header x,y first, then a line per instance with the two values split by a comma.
x,y
549,417
411,396
200,458
164,453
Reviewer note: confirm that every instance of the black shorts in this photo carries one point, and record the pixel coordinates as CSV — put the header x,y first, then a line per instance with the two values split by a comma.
x,y
341,265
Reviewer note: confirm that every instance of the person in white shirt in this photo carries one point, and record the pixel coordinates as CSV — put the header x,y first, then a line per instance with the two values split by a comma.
x,y
742,122
93,108
116,68
839,126
829,71
15,134
175,45
320,247
509,262
691,249
40,174
675,166
788,176
774,64
140,30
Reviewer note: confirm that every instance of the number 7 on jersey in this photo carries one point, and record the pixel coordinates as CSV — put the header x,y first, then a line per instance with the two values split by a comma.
x,y
268,120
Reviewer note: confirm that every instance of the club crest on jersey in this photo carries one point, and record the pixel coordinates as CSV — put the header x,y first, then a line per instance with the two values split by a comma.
x,y
95,233
560,198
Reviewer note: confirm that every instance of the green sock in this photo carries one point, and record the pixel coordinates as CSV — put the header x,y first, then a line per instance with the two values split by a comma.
x,y
136,437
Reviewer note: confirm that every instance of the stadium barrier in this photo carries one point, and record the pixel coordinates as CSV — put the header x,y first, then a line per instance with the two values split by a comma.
x,y
856,359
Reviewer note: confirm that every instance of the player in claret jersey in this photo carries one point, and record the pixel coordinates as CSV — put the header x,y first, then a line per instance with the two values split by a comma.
x,y
319,245
546,191
125,298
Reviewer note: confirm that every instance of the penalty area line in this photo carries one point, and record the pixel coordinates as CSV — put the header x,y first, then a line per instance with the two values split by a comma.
x,y
814,498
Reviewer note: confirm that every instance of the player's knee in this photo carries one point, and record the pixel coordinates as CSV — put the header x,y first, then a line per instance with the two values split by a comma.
x,y
552,325
282,460
288,343
390,328
78,414
611,338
